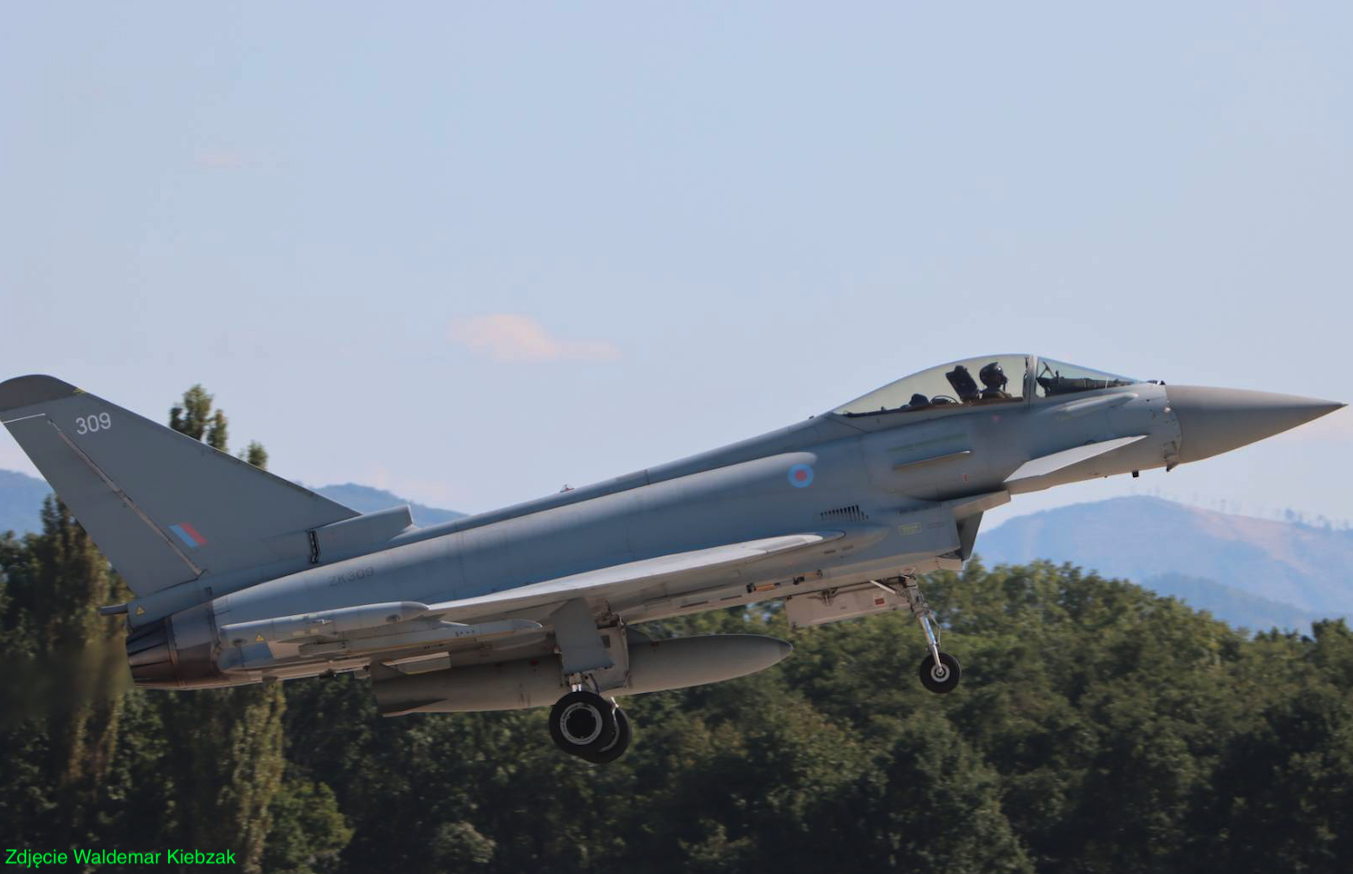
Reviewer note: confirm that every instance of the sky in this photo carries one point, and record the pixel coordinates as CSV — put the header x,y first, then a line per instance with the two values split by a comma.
x,y
473,252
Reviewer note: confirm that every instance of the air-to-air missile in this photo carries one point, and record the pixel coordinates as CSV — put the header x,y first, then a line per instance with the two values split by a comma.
x,y
242,577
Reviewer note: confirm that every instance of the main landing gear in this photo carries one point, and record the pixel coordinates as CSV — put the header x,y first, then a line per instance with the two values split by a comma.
x,y
940,672
583,723
588,726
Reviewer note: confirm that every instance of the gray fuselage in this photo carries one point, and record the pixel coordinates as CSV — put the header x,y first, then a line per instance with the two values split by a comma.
x,y
879,484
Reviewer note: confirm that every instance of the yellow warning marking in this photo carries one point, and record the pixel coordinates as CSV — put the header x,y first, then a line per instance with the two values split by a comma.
x,y
140,611
258,638
911,528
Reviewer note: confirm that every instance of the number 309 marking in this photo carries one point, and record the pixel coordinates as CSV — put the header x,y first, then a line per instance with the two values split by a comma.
x,y
91,424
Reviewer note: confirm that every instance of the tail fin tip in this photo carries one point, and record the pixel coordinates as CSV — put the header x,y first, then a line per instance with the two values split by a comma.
x,y
25,391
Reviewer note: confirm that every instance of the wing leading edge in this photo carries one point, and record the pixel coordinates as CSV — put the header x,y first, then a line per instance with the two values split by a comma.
x,y
619,580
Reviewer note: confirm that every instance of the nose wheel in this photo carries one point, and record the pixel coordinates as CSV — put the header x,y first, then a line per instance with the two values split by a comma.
x,y
584,724
939,671
940,676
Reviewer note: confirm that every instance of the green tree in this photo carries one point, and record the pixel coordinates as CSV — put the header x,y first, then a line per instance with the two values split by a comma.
x,y
308,829
227,743
1099,728
195,417
929,803
25,794
68,699
256,455
84,648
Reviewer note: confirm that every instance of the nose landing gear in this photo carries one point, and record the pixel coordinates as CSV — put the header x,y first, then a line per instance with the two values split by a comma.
x,y
940,676
939,671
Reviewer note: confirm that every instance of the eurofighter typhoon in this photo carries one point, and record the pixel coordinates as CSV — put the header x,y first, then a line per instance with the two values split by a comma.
x,y
242,577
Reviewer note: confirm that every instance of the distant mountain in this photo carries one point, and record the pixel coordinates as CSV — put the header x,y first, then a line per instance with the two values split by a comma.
x,y
21,501
1233,605
365,499
1251,572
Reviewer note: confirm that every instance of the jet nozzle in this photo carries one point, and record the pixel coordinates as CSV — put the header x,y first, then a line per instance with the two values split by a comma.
x,y
1217,420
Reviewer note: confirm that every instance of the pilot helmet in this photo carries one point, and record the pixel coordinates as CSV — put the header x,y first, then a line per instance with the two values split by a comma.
x,y
992,376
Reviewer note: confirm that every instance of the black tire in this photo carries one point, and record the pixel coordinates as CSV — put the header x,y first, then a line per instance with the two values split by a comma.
x,y
582,722
943,677
617,748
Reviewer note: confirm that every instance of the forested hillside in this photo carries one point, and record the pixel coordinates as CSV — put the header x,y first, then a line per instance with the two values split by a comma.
x,y
1098,728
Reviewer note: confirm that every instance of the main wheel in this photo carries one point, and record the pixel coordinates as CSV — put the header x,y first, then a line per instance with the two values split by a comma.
x,y
617,747
583,722
942,677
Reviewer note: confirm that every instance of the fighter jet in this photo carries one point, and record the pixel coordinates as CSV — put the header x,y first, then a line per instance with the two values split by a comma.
x,y
240,576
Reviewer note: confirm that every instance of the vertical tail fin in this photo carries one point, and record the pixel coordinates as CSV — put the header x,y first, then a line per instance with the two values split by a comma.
x,y
163,507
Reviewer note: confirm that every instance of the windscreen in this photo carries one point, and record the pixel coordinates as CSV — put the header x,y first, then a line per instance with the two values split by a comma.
x,y
1054,378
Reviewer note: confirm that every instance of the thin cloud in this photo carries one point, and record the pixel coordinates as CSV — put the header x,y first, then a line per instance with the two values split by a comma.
x,y
510,337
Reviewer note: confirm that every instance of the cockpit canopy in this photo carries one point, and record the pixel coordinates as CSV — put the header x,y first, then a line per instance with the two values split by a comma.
x,y
992,379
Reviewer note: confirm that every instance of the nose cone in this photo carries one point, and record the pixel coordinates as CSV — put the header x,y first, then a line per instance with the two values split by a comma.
x,y
1216,420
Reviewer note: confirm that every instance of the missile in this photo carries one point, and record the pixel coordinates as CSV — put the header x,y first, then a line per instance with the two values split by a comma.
x,y
326,622
420,633
654,666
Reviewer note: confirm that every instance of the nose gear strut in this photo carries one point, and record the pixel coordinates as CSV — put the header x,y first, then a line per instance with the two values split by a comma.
x,y
939,671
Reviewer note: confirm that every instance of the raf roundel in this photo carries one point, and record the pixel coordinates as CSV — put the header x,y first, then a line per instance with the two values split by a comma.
x,y
801,476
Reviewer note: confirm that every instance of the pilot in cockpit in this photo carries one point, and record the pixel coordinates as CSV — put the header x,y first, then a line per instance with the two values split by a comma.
x,y
994,380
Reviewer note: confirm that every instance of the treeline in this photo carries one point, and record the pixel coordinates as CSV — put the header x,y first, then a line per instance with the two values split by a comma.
x,y
1099,728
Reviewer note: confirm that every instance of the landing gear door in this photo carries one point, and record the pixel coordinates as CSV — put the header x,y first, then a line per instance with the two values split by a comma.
x,y
833,605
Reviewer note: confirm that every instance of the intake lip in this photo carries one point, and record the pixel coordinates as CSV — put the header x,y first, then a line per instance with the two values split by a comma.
x,y
1217,420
